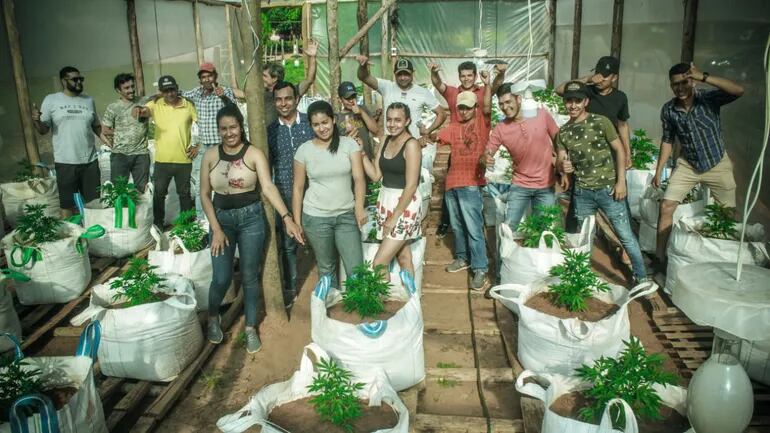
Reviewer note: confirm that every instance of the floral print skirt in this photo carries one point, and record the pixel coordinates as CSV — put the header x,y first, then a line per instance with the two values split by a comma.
x,y
408,224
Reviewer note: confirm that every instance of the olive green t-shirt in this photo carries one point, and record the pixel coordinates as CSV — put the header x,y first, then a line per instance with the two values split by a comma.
x,y
588,145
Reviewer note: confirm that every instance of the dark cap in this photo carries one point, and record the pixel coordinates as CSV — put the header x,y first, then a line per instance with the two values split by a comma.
x,y
575,90
346,90
403,65
167,82
607,65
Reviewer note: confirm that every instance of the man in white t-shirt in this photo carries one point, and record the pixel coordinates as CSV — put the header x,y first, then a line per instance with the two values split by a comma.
x,y
419,99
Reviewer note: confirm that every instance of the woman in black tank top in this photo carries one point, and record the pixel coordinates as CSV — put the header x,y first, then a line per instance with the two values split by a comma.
x,y
397,164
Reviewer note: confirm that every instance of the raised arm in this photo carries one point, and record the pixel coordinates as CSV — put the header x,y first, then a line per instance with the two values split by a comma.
x,y
724,84
363,72
41,125
371,124
486,103
560,88
499,76
311,50
439,120
435,78
372,168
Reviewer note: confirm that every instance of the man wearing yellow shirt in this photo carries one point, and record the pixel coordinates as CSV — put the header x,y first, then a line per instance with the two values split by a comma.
x,y
173,116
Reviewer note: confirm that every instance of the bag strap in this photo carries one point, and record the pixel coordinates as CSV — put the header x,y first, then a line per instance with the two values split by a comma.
x,y
408,280
79,203
14,275
49,419
641,289
555,245
373,329
28,254
17,353
157,235
121,201
93,232
323,286
506,239
576,330
606,424
177,242
75,219
532,389
88,344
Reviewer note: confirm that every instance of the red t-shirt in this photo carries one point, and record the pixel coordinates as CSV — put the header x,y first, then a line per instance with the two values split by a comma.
x,y
450,94
531,147
468,141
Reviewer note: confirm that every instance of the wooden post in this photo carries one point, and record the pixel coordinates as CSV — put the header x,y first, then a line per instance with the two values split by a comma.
x,y
255,103
363,46
384,48
576,30
198,34
228,21
688,30
551,10
617,29
386,4
334,51
133,39
20,79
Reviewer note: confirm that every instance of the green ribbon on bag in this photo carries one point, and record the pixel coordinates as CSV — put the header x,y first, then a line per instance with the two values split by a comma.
x,y
14,275
28,254
93,232
75,219
125,199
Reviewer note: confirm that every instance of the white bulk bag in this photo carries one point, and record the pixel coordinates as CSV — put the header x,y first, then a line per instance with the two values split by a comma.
x,y
9,319
121,239
195,266
428,156
637,182
497,172
686,246
59,271
494,206
649,206
153,341
556,385
755,357
105,169
523,265
648,237
83,412
36,191
425,189
547,344
418,255
394,345
257,410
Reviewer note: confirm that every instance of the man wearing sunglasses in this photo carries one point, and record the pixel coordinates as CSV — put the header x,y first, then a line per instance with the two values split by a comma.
x,y
74,121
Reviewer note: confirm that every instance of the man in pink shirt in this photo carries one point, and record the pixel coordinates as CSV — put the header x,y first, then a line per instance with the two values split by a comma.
x,y
530,143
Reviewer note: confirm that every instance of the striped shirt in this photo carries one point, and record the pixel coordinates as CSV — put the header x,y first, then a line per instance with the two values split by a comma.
x,y
699,130
207,106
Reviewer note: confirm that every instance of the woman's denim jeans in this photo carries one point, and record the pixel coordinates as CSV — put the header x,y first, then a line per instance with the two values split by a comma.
x,y
333,237
245,228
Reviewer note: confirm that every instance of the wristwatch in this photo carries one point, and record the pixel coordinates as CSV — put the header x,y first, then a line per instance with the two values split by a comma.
x,y
705,76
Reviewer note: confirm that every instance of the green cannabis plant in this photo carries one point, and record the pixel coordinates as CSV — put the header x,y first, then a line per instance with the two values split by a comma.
x,y
720,222
630,377
138,285
189,230
118,191
336,401
643,150
550,99
577,282
372,235
17,381
544,218
366,290
372,193
26,172
35,227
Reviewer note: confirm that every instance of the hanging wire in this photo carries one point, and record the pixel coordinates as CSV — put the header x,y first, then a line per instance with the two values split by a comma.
x,y
531,40
257,41
756,177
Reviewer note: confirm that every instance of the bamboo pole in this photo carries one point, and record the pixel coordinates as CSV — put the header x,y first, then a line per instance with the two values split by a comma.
x,y
551,10
577,25
228,21
133,39
198,34
688,30
250,17
384,50
20,79
386,4
332,8
363,47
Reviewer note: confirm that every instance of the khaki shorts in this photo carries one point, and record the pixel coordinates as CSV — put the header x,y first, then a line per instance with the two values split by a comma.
x,y
719,179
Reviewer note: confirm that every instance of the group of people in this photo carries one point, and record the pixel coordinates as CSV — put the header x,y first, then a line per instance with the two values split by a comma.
x,y
319,163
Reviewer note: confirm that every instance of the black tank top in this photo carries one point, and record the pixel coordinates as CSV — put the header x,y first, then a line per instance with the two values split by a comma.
x,y
394,169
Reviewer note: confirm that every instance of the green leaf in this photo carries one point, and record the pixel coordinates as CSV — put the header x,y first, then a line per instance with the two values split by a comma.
x,y
577,282
111,191
139,284
336,400
366,291
17,380
35,227
544,218
720,222
643,150
190,231
26,172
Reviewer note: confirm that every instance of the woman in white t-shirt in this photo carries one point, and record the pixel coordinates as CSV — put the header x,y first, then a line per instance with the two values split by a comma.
x,y
329,212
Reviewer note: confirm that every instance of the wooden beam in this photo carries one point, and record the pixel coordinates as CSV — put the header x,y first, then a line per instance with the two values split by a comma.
x,y
20,79
332,7
386,4
688,30
213,3
384,48
133,39
198,34
230,49
577,25
551,11
363,47
617,28
461,55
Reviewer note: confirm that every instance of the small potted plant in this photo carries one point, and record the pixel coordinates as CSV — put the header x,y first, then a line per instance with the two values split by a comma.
x,y
150,327
52,253
126,215
604,392
370,325
643,156
29,186
571,317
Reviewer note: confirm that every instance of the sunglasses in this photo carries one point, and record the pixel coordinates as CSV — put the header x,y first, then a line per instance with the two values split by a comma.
x,y
76,79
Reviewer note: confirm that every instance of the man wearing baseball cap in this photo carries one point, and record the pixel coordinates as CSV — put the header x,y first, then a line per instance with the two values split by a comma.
x,y
588,146
467,138
404,90
354,120
174,151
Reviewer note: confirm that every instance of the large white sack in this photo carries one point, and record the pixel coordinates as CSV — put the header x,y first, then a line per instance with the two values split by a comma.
x,y
755,357
153,341
38,191
9,319
686,246
425,188
637,182
61,272
428,156
494,206
83,412
547,344
195,266
105,169
554,386
648,237
523,265
256,411
649,205
120,238
500,171
394,345
394,269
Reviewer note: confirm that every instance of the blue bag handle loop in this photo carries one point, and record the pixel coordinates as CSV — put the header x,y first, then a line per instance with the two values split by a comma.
x,y
17,353
373,329
49,419
88,344
408,280
323,286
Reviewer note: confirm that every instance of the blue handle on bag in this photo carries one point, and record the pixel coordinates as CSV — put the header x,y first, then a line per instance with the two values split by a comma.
x,y
88,344
323,286
49,419
373,329
408,280
79,203
18,355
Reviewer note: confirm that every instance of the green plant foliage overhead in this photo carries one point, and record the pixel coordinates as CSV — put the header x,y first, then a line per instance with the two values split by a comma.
x,y
138,285
110,192
720,222
35,227
549,98
189,230
366,291
17,381
26,172
630,377
643,150
577,282
544,218
336,400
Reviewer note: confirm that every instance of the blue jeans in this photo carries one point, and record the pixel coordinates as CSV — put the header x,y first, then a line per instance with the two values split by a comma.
x,y
333,237
520,198
245,228
587,201
465,215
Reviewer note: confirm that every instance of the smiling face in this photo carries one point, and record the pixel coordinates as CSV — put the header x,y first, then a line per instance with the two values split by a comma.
x,y
466,113
207,80
127,90
603,83
285,102
467,78
575,107
396,121
349,102
323,126
682,86
229,131
404,79
510,104
171,95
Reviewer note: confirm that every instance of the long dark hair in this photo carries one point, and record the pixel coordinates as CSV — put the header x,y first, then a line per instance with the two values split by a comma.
x,y
231,110
323,107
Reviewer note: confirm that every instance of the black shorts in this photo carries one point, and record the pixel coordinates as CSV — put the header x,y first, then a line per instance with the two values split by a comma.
x,y
82,178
